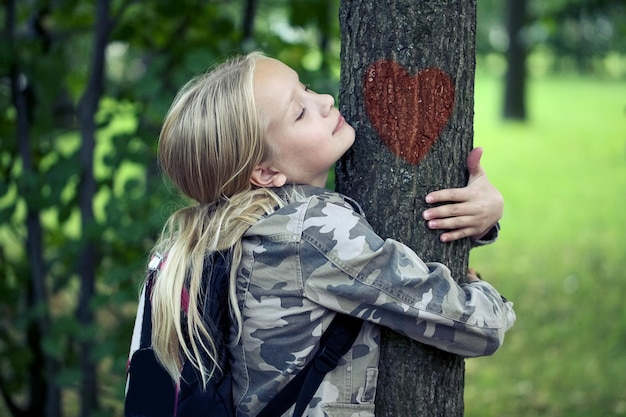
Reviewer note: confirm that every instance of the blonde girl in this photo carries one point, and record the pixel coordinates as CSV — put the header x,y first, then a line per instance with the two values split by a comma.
x,y
252,146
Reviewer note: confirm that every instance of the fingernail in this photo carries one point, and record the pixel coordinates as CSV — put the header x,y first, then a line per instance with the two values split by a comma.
x,y
429,199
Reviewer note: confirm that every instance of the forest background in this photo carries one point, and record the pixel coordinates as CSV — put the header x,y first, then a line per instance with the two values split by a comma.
x,y
84,86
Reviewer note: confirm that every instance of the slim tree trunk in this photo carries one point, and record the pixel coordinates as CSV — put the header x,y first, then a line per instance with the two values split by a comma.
x,y
407,74
44,395
249,15
515,80
88,257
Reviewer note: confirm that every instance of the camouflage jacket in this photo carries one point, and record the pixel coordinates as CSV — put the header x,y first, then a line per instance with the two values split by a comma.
x,y
317,256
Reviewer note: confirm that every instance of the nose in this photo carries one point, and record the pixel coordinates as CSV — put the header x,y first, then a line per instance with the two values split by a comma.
x,y
327,103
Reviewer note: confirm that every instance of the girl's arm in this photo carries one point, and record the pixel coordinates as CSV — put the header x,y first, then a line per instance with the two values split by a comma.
x,y
469,211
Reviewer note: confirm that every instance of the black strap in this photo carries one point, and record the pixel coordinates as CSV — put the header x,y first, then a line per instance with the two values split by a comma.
x,y
146,325
151,391
335,342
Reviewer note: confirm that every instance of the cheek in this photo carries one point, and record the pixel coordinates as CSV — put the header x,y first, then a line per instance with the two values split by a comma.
x,y
277,141
270,149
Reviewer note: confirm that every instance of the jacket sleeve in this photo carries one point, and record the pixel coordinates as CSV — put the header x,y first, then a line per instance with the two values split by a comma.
x,y
490,237
385,282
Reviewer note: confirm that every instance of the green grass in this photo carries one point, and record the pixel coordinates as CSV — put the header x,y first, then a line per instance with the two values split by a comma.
x,y
562,251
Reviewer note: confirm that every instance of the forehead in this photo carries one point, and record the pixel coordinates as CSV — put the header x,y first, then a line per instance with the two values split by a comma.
x,y
274,84
270,68
272,77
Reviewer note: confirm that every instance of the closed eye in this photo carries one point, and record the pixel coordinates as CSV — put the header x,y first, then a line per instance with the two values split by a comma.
x,y
301,115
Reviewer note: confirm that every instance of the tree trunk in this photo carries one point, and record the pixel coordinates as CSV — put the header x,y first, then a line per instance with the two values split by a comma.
x,y
515,81
43,394
407,74
88,258
249,15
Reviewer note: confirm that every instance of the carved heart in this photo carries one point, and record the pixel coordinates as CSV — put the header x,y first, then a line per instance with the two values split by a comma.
x,y
408,112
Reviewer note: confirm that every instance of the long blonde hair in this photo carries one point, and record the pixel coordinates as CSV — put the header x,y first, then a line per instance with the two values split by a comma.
x,y
210,142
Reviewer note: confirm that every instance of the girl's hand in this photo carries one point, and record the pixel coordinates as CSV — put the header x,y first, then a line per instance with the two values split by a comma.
x,y
469,211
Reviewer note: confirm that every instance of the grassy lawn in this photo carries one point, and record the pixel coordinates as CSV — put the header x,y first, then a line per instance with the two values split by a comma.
x,y
562,251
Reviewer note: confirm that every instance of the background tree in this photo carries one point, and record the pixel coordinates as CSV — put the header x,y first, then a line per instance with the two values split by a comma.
x,y
407,88
515,79
564,36
42,397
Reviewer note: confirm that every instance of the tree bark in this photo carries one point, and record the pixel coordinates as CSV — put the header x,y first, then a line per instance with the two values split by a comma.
x,y
88,258
407,74
515,80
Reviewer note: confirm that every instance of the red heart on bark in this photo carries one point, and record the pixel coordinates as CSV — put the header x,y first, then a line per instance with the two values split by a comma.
x,y
408,112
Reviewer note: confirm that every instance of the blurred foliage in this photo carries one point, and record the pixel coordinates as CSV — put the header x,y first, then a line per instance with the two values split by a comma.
x,y
154,47
582,36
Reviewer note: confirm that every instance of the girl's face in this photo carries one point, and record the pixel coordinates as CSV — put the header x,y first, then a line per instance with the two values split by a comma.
x,y
306,133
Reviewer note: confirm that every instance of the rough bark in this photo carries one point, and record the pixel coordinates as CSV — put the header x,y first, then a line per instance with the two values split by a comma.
x,y
391,181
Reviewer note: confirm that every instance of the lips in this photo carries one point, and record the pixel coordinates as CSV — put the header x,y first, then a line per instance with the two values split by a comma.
x,y
340,123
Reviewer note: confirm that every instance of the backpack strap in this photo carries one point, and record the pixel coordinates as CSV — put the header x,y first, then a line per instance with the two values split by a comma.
x,y
146,325
150,390
335,342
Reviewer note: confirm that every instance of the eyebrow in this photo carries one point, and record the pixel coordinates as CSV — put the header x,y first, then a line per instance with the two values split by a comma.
x,y
288,104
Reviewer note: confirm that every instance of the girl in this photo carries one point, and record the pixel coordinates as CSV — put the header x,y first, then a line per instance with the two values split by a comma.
x,y
252,146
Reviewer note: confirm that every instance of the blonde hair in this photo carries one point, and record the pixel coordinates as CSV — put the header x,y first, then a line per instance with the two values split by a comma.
x,y
211,140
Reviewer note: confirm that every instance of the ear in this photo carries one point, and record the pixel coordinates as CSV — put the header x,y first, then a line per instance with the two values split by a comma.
x,y
264,176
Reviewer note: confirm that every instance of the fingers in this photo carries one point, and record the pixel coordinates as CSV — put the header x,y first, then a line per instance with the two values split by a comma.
x,y
455,228
460,220
457,195
448,195
450,223
449,210
456,234
473,161
468,211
